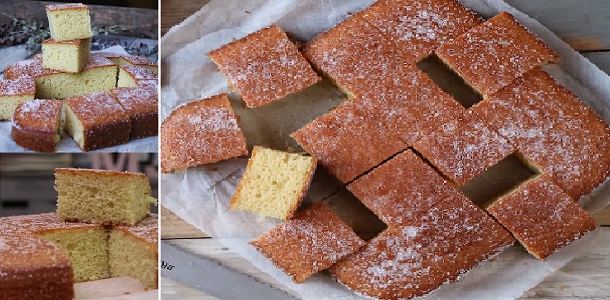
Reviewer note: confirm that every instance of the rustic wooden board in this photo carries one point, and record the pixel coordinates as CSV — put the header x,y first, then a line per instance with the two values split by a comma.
x,y
114,288
172,227
139,20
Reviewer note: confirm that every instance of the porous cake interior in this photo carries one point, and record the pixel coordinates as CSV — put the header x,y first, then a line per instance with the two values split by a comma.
x,y
67,24
9,103
74,126
66,85
58,127
68,57
132,257
101,199
125,79
273,183
87,249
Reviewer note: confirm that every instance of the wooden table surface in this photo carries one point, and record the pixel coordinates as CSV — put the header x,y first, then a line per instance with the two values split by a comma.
x,y
585,27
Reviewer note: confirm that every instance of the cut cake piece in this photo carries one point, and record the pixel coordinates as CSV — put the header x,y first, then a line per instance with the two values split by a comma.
x,y
436,246
68,56
274,183
553,129
137,61
418,27
495,53
312,241
133,251
69,21
463,148
130,75
13,92
23,68
343,54
96,121
542,216
102,197
349,140
264,66
142,106
37,125
114,57
201,132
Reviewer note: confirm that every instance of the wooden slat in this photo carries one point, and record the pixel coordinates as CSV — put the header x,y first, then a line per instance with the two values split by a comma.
x,y
139,20
172,227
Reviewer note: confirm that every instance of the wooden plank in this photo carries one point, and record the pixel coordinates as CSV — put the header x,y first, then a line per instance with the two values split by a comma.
x,y
172,227
142,21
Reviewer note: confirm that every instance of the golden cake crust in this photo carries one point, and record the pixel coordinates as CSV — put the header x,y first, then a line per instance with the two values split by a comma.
x,y
201,132
493,54
141,104
17,87
98,172
264,66
464,148
418,27
542,217
146,231
35,124
310,242
66,6
139,72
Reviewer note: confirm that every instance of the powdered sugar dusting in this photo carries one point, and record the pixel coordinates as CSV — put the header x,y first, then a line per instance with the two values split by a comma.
x,y
65,6
37,115
19,86
147,230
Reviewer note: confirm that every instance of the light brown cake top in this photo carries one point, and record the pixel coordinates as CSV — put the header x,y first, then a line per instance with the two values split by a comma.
x,y
26,68
344,54
137,100
52,41
349,140
138,72
151,83
418,27
38,115
66,6
264,66
100,173
147,230
17,87
542,216
492,55
103,54
201,132
97,109
310,242
48,222
464,148
98,61
138,60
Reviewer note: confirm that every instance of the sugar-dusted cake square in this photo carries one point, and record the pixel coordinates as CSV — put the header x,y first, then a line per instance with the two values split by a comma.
x,y
137,61
67,56
274,183
96,121
37,124
264,66
464,148
349,140
23,68
542,216
312,241
418,27
142,106
495,53
130,75
13,92
351,54
555,131
69,21
437,246
201,132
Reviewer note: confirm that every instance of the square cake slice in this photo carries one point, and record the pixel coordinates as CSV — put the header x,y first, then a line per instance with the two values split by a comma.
x,y
130,75
201,132
135,60
133,251
142,106
96,121
312,241
542,217
274,183
69,21
37,125
67,56
437,246
418,27
349,140
464,148
102,197
13,92
265,66
493,54
23,68
554,129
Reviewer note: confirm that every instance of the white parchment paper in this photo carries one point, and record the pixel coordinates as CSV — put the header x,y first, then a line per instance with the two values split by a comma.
x,y
201,195
67,144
